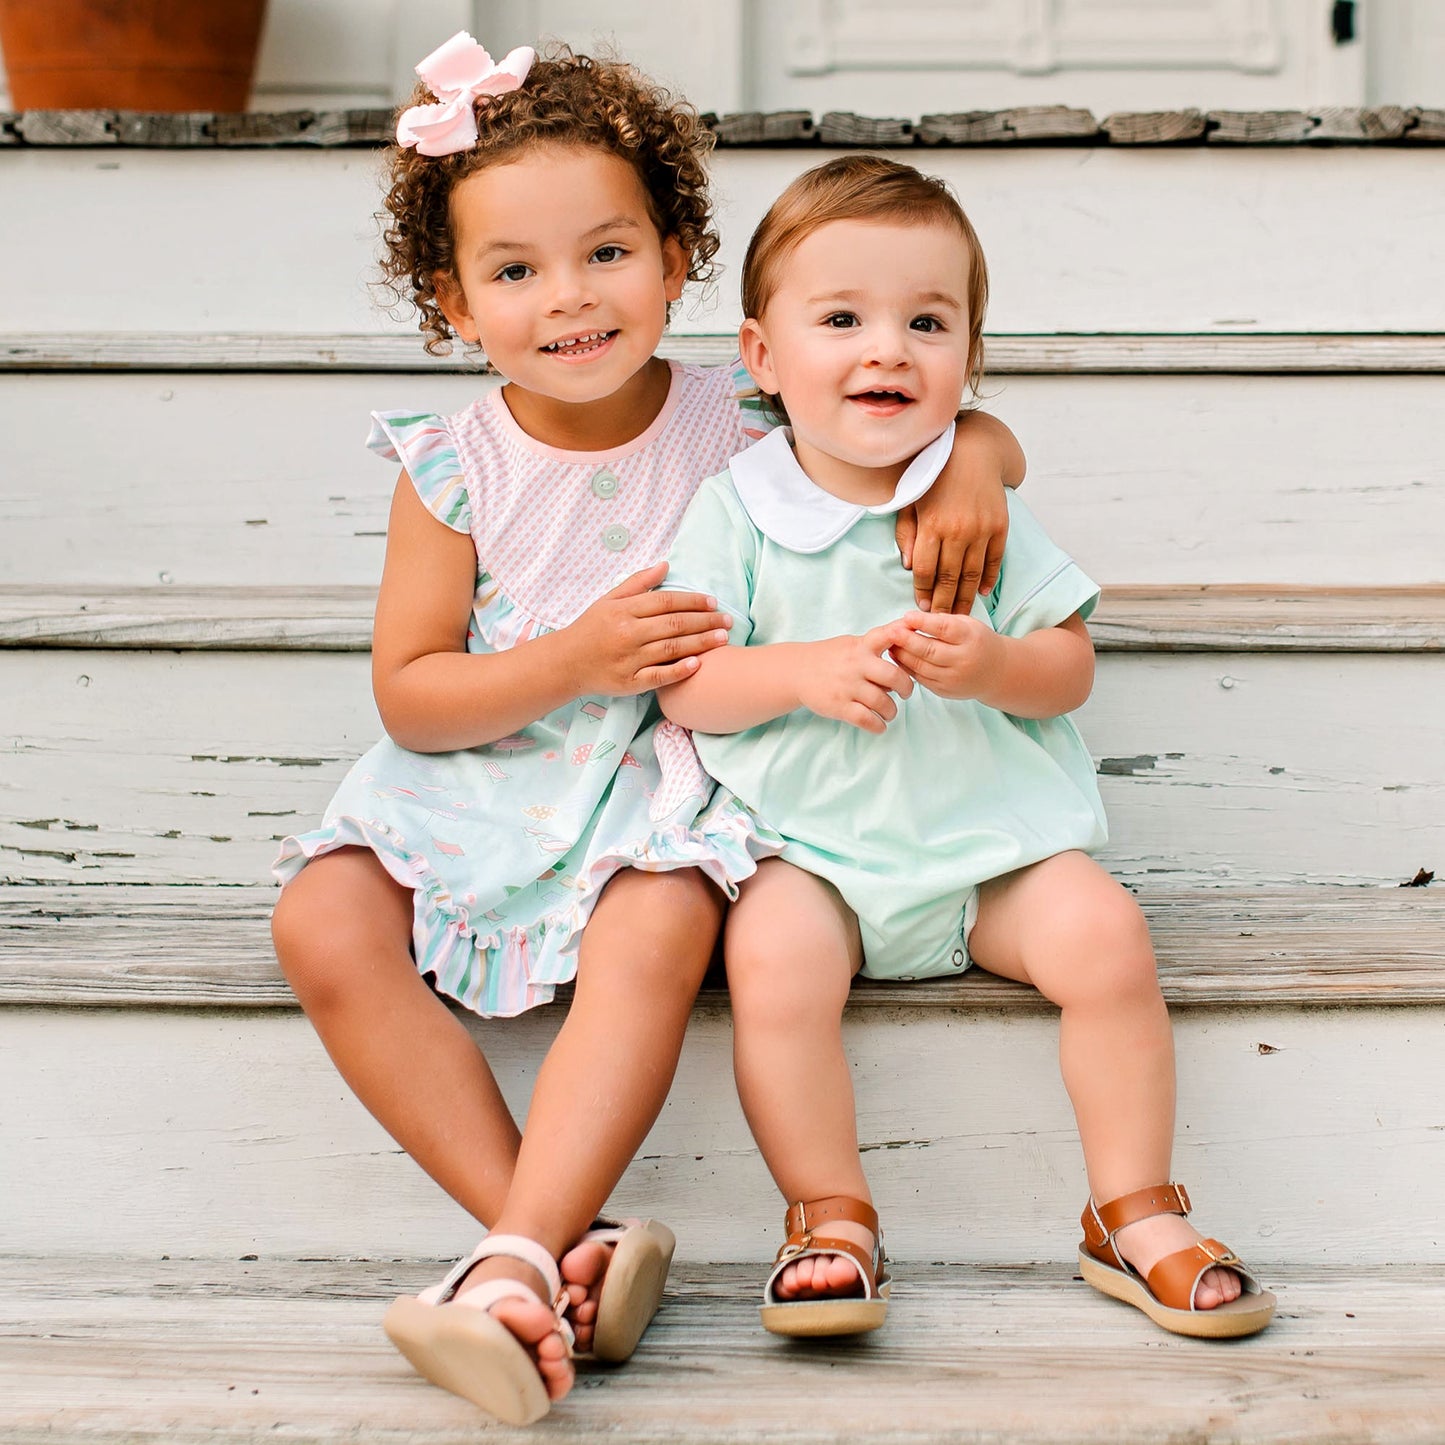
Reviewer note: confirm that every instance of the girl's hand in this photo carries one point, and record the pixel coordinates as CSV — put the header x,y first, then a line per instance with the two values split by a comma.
x,y
952,656
635,640
953,540
849,679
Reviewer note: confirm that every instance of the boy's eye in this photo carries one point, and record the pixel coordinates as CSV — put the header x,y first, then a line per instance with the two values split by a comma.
x,y
515,272
841,320
606,254
926,323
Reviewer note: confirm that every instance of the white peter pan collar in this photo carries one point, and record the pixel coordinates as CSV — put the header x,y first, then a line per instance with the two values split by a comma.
x,y
791,509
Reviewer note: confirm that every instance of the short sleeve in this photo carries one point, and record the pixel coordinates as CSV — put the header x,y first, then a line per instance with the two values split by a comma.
x,y
1039,584
758,418
715,552
423,444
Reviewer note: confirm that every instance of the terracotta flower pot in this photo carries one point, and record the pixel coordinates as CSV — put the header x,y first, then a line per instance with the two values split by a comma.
x,y
157,55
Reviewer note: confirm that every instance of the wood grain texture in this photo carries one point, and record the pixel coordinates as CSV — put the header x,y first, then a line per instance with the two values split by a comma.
x,y
188,947
1052,355
1305,1135
1153,127
338,619
1160,480
783,127
840,128
103,1351
66,127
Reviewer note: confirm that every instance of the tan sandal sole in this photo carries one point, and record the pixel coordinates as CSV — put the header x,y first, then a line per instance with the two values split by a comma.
x,y
1246,1315
632,1290
466,1351
814,1319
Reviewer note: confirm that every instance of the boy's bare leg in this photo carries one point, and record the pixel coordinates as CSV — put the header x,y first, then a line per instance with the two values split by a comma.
x,y
1066,927
792,948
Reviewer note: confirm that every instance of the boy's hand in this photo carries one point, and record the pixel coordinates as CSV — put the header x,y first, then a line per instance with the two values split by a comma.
x,y
952,656
849,679
634,639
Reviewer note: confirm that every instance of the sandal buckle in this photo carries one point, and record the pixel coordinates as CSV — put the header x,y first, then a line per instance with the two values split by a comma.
x,y
1218,1253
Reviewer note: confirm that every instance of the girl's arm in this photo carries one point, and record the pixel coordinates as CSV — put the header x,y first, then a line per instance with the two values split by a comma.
x,y
954,539
1043,674
735,688
434,696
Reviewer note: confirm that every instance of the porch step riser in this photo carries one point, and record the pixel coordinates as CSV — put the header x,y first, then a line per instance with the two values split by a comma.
x,y
206,480
216,1134
1242,768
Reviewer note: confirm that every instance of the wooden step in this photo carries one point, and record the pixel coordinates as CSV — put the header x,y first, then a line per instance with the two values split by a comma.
x,y
176,947
1183,618
102,1351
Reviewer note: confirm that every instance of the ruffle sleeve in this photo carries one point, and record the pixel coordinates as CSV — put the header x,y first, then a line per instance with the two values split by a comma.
x,y
758,418
422,442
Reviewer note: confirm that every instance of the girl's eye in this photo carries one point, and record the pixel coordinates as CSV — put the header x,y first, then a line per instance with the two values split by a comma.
x,y
927,324
515,272
841,320
606,254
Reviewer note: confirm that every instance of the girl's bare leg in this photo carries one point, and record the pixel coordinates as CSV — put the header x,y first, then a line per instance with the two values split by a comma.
x,y
342,931
792,948
1066,927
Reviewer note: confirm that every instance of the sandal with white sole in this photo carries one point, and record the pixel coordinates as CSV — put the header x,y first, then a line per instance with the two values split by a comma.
x,y
1167,1293
457,1344
632,1287
808,1237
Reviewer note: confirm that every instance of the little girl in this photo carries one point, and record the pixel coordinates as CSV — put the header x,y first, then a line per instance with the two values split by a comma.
x,y
549,214
936,801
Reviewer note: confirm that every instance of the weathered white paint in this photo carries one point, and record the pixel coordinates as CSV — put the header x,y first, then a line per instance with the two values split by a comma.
x,y
1078,240
186,767
130,1132
239,480
110,1351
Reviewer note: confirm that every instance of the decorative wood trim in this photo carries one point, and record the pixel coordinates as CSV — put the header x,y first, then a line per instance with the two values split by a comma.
x,y
1057,354
1368,125
210,947
1221,618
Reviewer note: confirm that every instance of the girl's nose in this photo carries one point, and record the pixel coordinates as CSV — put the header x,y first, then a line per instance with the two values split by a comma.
x,y
570,293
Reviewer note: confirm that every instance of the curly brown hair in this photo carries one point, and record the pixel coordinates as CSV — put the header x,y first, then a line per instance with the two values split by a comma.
x,y
567,99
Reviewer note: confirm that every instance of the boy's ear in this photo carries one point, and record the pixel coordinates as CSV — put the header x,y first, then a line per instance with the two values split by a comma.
x,y
674,268
756,355
453,302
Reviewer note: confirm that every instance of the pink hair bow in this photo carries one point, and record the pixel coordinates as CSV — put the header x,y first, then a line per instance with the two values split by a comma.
x,y
461,73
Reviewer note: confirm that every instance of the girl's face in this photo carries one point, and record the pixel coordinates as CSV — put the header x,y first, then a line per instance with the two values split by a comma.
x,y
561,273
865,338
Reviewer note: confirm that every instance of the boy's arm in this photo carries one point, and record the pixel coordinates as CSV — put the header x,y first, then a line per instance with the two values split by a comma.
x,y
1043,674
735,688
953,539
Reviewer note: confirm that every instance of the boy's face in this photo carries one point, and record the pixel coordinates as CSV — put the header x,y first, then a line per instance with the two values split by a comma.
x,y
865,338
561,273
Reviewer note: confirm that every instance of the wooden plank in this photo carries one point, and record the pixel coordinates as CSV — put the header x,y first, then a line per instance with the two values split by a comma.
x,y
165,131
338,619
250,1352
67,127
223,1132
179,947
1153,238
1259,127
1153,127
1428,127
748,128
1007,355
840,128
1147,480
1250,769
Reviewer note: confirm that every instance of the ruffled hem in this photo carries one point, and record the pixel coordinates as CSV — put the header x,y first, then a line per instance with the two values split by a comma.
x,y
504,971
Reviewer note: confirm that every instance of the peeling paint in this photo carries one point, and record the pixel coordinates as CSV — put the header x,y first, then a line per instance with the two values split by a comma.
x,y
1132,767
258,758
43,824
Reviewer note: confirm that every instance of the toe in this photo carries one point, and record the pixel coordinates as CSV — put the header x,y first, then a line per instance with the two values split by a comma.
x,y
536,1327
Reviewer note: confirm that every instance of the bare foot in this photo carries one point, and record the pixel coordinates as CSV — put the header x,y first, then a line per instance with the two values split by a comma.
x,y
532,1321
826,1276
583,1268
1145,1242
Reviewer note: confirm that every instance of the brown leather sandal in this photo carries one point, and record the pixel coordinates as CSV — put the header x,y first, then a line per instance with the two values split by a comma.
x,y
805,1224
1167,1295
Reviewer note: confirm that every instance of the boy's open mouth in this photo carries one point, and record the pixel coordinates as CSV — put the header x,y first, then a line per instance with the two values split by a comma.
x,y
882,400
579,345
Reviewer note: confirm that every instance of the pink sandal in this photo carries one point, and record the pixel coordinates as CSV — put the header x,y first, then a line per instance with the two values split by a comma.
x,y
632,1287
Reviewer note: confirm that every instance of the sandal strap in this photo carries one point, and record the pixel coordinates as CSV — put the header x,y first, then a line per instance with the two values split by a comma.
x,y
806,1215
1175,1279
505,1246
1103,1221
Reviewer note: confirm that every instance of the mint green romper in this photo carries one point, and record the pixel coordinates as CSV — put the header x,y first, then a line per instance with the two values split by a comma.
x,y
908,824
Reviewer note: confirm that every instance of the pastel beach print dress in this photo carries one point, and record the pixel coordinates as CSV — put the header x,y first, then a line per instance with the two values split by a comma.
x,y
506,847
